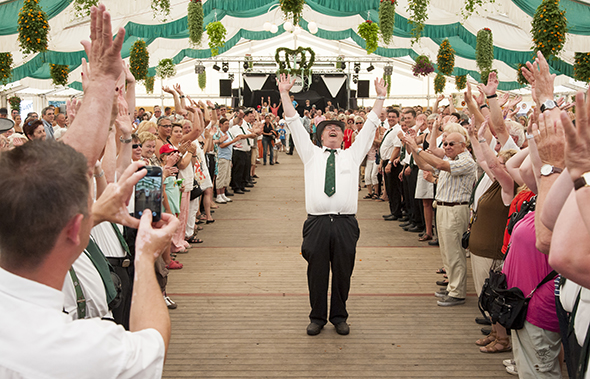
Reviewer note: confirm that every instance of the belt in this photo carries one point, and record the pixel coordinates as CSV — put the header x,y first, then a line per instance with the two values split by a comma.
x,y
451,204
119,262
332,215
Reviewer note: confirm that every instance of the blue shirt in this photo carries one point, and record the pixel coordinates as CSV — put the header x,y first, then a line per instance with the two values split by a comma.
x,y
224,152
282,133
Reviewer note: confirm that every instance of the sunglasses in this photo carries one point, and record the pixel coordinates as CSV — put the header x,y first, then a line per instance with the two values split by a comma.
x,y
359,123
452,143
136,145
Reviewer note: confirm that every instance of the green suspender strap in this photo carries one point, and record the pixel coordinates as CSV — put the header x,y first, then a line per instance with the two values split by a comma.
x,y
80,299
121,239
102,266
247,139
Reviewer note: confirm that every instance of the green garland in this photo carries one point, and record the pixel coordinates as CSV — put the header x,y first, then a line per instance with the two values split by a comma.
x,y
149,84
32,28
386,20
485,74
14,102
445,59
59,74
369,31
216,33
549,28
461,82
161,8
340,63
470,6
195,21
582,67
418,12
387,79
139,60
484,52
520,77
5,67
165,69
82,7
292,9
439,83
291,56
202,80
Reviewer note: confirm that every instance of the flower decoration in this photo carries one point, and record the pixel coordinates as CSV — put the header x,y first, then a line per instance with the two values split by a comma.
x,y
439,83
484,51
82,7
292,9
149,84
423,66
139,60
369,31
161,8
418,14
216,32
582,67
59,74
32,28
549,28
386,20
520,77
166,69
195,21
5,67
461,82
14,102
445,59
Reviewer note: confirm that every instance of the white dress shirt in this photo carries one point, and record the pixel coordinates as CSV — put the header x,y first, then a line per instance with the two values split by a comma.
x,y
245,144
314,158
390,142
38,340
105,237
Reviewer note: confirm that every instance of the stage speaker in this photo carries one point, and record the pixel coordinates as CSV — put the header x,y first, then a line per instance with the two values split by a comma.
x,y
363,88
235,102
235,92
352,103
224,87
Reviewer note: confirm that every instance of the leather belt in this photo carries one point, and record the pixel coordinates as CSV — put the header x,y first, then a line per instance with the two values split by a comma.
x,y
119,262
451,204
332,215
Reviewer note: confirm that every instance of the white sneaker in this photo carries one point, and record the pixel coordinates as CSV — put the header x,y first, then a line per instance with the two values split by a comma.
x,y
220,200
511,370
509,362
227,199
169,303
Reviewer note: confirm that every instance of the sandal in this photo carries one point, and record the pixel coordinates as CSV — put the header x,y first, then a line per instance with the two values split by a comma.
x,y
369,196
194,239
494,346
375,196
486,340
174,265
426,237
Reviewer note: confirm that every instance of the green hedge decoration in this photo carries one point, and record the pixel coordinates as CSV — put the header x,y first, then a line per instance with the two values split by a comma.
x,y
292,9
149,84
484,51
202,80
418,14
369,31
139,60
6,62
216,32
195,21
549,28
387,79
32,28
582,67
445,59
387,20
59,74
300,55
461,82
439,83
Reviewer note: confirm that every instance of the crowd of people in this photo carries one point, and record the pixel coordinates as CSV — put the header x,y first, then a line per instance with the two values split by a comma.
x,y
511,187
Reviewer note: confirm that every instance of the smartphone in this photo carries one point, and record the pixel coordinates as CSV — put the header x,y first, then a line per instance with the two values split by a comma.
x,y
148,193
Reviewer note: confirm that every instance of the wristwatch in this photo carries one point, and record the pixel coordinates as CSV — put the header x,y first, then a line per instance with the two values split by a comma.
x,y
418,150
583,181
127,140
547,170
548,105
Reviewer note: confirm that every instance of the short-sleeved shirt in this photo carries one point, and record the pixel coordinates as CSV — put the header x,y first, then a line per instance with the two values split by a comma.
x,y
456,186
224,152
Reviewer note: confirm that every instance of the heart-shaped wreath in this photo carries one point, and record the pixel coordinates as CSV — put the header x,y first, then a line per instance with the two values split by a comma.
x,y
295,62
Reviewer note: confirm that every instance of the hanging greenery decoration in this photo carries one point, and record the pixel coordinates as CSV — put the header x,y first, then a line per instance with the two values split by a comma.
x,y
461,82
484,51
202,80
549,28
439,83
386,20
445,59
292,9
139,60
195,21
32,28
295,62
423,66
166,69
485,74
14,102
149,84
470,5
249,62
387,79
82,7
369,31
5,67
520,77
59,74
418,12
582,67
216,32
340,65
161,8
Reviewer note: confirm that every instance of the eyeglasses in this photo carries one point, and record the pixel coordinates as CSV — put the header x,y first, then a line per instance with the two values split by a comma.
x,y
166,126
333,127
136,145
452,143
358,123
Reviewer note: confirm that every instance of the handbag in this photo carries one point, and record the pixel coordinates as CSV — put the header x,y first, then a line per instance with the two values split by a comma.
x,y
196,191
465,239
496,280
510,306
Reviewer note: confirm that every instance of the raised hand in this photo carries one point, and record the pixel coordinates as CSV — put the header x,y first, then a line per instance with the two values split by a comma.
x,y
168,90
490,88
577,148
550,140
123,121
514,102
543,80
72,107
285,83
177,89
502,100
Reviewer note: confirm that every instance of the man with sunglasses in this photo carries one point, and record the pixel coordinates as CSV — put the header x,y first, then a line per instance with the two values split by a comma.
x,y
456,176
331,231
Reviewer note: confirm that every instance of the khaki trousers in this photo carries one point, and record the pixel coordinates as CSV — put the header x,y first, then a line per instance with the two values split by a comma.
x,y
536,352
480,267
452,222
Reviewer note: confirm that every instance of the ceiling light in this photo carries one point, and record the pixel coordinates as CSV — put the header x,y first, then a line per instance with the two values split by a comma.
x,y
216,67
312,27
297,30
370,68
357,67
267,26
288,26
274,28
225,66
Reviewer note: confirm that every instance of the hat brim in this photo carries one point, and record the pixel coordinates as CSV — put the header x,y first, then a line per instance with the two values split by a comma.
x,y
320,128
6,124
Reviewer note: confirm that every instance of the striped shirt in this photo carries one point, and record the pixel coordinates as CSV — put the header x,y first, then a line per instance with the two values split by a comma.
x,y
456,186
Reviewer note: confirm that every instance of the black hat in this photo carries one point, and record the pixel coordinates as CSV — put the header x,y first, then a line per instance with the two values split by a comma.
x,y
320,128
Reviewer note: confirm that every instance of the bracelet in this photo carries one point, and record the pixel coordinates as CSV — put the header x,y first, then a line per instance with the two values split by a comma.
x,y
482,141
529,136
99,175
380,97
492,96
483,106
128,140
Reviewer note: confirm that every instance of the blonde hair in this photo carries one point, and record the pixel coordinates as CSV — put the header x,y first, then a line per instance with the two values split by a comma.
x,y
453,127
144,126
507,154
146,136
515,129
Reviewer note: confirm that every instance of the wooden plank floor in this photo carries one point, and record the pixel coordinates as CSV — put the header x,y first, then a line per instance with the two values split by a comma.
x,y
243,303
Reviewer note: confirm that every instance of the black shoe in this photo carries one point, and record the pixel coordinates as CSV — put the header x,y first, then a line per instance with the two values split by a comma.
x,y
390,218
483,320
249,185
486,331
406,228
342,328
404,218
314,329
416,229
433,243
252,181
389,215
210,222
277,162
271,163
405,224
239,191
244,189
442,283
227,193
255,176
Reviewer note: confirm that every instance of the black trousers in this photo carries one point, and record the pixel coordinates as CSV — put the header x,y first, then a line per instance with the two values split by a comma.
x,y
329,241
240,160
417,207
393,187
291,145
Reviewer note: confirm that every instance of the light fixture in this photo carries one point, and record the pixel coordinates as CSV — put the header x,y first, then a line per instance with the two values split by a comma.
x,y
288,25
274,28
231,77
355,78
357,67
225,66
246,65
388,70
297,30
312,27
370,68
199,68
267,26
216,67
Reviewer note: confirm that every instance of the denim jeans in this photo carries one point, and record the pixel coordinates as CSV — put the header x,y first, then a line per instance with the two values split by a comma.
x,y
266,145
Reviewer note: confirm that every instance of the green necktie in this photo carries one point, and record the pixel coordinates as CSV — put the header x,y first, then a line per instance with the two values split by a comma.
x,y
402,155
330,182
